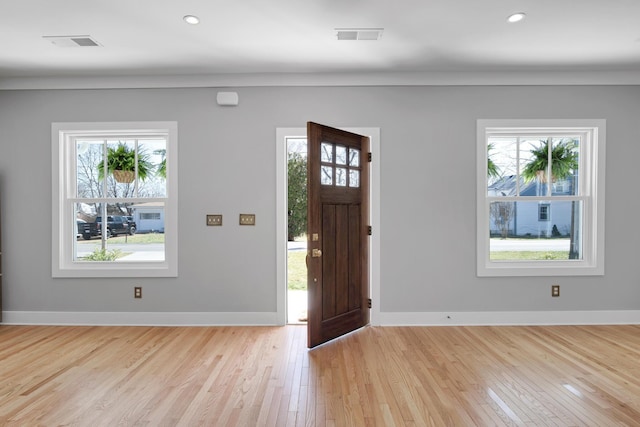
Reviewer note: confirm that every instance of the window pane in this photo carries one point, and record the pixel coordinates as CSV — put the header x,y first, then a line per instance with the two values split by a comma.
x,y
341,155
326,175
326,152
341,177
522,231
533,166
354,178
152,154
121,171
354,157
126,240
565,164
501,166
89,155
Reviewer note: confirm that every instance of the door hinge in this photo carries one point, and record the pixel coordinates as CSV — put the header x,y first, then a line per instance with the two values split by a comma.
x,y
369,230
369,157
369,303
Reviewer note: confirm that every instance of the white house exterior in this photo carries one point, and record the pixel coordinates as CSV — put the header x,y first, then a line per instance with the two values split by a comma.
x,y
533,218
149,217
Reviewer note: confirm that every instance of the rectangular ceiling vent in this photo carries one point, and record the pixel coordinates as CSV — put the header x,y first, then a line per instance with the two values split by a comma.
x,y
72,41
359,33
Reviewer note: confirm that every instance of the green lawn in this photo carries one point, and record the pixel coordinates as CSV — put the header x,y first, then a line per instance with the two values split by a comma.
x,y
139,238
297,270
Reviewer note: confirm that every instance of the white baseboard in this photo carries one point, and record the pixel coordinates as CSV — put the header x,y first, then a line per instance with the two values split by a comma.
x,y
611,317
478,318
138,318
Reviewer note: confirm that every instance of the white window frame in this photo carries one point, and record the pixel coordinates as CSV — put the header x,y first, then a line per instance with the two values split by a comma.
x,y
63,174
592,176
547,212
150,216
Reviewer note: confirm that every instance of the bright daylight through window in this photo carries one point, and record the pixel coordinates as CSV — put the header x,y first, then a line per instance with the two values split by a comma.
x,y
540,197
115,207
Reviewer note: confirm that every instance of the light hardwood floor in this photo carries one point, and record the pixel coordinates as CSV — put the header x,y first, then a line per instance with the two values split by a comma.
x,y
246,376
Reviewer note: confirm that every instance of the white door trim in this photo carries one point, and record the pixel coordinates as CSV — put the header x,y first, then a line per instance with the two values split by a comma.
x,y
281,217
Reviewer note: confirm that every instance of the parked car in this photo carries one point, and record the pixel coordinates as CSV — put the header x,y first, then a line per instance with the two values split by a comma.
x,y
116,225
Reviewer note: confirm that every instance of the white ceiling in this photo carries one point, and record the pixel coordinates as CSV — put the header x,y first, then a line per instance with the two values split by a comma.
x,y
249,37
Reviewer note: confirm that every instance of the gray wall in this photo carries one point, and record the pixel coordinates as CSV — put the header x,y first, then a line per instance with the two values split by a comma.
x,y
227,165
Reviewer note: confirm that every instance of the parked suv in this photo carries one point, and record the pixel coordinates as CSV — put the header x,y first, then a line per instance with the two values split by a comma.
x,y
117,224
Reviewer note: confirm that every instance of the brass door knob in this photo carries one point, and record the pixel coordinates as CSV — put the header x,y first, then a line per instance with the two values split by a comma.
x,y
316,253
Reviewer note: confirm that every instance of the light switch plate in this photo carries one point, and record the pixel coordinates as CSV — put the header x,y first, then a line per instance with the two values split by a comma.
x,y
247,219
214,219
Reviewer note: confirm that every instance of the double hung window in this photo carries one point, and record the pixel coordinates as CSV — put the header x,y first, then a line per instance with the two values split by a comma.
x,y
109,180
540,197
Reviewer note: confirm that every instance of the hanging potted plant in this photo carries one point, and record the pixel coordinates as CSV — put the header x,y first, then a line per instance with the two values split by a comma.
x,y
564,160
121,162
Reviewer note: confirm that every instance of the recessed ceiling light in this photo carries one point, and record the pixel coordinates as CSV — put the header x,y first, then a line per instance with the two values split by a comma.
x,y
191,19
516,17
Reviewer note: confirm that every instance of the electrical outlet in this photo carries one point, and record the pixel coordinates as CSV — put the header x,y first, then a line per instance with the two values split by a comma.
x,y
214,219
555,290
247,219
137,292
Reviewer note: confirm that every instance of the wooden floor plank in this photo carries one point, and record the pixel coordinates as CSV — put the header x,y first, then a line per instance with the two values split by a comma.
x,y
245,376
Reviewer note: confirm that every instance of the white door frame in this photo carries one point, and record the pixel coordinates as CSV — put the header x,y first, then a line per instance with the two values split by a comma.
x,y
282,134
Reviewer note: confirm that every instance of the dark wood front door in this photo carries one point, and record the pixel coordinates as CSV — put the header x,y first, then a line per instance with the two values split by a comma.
x,y
338,238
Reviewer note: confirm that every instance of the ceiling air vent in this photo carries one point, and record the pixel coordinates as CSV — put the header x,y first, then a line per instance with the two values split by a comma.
x,y
359,33
72,41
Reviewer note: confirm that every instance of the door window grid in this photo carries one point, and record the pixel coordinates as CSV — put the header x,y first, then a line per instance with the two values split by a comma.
x,y
340,165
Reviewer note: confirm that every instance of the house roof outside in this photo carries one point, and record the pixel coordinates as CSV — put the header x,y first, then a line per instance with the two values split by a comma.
x,y
148,205
506,187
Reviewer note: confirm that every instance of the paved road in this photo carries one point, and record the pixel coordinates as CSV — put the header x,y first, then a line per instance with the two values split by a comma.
x,y
297,246
530,245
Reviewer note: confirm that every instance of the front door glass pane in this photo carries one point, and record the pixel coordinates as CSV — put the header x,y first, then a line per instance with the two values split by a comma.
x,y
341,155
354,157
326,175
326,152
354,178
341,177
